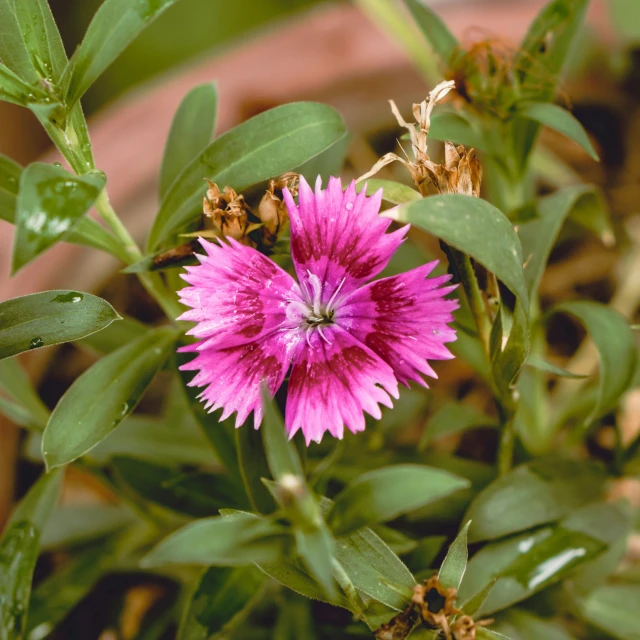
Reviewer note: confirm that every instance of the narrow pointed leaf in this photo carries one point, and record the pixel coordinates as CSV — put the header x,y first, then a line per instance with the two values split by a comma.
x,y
533,494
271,143
222,594
114,26
103,396
527,563
48,318
12,89
614,609
441,40
455,563
383,494
50,203
191,131
560,120
15,381
584,204
19,551
41,37
542,365
616,345
450,126
226,542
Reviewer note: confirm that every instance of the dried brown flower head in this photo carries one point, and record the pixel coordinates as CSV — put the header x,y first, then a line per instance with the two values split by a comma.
x,y
461,171
227,214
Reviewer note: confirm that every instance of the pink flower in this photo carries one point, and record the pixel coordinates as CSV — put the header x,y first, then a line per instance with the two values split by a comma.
x,y
348,343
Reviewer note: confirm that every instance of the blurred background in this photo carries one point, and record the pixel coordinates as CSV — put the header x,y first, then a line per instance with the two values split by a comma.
x,y
354,56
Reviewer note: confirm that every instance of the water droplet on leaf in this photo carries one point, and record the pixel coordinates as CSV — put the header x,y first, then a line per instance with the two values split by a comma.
x,y
36,343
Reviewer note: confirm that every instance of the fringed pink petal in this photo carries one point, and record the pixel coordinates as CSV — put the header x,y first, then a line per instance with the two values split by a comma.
x,y
334,380
237,295
232,377
404,320
338,236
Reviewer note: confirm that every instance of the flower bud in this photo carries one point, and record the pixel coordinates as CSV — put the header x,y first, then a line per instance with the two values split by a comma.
x,y
272,211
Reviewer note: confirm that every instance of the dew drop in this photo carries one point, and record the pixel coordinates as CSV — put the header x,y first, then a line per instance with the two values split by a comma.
x,y
125,409
435,332
57,164
36,343
349,206
72,296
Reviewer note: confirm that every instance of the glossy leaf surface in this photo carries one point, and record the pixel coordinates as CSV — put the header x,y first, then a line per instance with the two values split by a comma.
x,y
51,317
455,563
50,203
533,494
98,401
19,551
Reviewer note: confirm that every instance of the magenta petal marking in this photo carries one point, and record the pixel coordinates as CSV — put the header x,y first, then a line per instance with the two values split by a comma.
x,y
404,320
232,377
237,295
339,236
334,379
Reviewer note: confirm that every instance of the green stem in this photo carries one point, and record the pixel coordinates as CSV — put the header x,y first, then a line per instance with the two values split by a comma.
x,y
152,282
506,446
463,266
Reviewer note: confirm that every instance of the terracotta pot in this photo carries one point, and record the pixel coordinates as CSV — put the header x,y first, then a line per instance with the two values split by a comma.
x,y
331,54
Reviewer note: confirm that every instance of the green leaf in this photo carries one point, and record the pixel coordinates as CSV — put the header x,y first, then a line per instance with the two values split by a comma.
x,y
452,418
103,396
530,562
222,595
75,525
197,494
55,597
392,192
533,494
560,120
271,143
474,227
13,49
19,552
455,563
523,625
15,381
12,89
475,602
253,467
614,609
114,26
191,131
282,456
221,435
452,126
218,541
384,494
114,336
584,204
616,345
86,231
51,317
441,40
41,38
542,365
50,203
10,172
